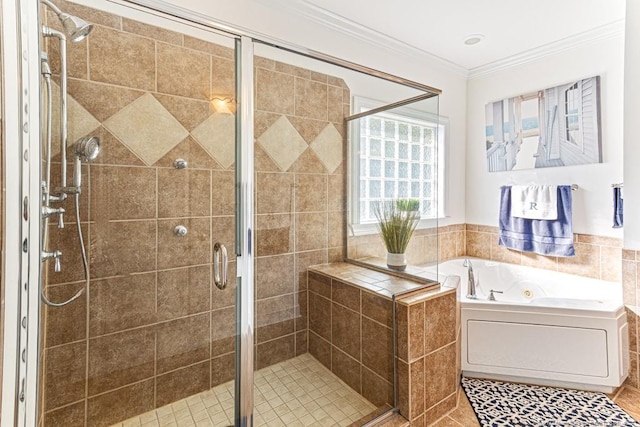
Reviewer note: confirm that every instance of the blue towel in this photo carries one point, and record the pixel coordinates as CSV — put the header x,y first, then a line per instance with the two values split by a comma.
x,y
545,237
618,217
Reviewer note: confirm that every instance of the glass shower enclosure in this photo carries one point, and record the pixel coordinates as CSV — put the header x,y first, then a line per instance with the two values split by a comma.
x,y
188,177
155,320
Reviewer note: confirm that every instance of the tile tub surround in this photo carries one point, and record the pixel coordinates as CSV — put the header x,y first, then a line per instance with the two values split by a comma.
x,y
428,355
598,257
631,295
427,245
151,295
350,310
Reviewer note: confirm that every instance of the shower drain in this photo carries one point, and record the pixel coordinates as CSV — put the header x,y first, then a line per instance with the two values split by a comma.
x,y
527,293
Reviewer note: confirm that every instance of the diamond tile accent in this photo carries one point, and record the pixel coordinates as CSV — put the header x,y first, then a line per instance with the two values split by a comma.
x,y
81,122
296,392
217,136
147,128
328,147
282,143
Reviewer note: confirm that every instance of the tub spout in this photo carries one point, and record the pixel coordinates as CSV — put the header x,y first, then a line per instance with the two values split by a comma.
x,y
471,283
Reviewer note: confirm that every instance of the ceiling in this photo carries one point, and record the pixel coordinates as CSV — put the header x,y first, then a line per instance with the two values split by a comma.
x,y
439,27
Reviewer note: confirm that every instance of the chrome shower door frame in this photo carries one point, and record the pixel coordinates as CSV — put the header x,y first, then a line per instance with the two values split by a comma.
x,y
244,234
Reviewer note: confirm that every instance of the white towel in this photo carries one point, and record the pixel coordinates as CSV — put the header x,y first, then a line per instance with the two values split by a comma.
x,y
534,201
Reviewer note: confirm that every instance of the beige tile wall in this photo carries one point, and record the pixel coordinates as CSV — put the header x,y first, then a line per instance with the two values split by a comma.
x,y
152,328
299,130
142,335
350,333
426,246
596,256
428,354
631,295
350,321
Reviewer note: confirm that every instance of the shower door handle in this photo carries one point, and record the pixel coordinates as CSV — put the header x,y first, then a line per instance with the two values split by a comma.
x,y
220,266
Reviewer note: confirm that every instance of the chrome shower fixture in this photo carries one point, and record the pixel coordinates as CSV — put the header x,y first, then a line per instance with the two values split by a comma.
x,y
45,69
85,150
74,27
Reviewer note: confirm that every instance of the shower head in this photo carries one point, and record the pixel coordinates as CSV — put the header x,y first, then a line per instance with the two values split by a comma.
x,y
75,28
87,148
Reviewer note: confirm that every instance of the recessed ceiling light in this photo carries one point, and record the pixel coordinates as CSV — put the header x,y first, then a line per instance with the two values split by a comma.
x,y
473,39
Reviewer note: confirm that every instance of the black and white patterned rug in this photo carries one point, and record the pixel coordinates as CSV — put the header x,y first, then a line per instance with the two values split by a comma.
x,y
499,404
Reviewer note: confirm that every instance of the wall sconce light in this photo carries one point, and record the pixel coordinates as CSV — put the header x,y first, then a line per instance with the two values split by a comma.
x,y
221,104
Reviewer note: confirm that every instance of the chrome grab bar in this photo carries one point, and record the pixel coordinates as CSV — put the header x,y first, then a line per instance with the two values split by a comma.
x,y
218,279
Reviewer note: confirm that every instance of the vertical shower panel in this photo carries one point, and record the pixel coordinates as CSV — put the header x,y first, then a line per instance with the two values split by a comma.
x,y
151,328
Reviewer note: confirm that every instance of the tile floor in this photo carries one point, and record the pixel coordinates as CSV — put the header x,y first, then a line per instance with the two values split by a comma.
x,y
296,392
628,398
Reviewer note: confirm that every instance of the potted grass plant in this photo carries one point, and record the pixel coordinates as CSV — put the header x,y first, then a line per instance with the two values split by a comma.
x,y
397,220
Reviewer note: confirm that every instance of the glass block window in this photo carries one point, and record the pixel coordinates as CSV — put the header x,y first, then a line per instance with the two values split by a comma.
x,y
397,160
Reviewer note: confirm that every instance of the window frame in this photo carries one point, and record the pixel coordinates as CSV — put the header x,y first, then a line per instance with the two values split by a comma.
x,y
441,124
577,86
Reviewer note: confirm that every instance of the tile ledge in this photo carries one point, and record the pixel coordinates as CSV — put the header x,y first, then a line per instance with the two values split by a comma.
x,y
380,283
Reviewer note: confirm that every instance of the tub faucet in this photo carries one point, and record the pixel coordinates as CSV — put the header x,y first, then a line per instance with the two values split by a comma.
x,y
471,282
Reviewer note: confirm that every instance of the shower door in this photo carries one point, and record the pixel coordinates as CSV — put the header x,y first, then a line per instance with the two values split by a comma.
x,y
153,335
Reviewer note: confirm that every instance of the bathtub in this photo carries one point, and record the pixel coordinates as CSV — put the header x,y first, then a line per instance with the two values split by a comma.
x,y
545,328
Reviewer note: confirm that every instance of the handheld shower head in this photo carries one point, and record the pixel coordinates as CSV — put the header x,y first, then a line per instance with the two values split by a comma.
x,y
85,149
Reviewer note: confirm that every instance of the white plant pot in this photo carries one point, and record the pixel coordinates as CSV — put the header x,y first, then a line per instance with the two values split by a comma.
x,y
396,262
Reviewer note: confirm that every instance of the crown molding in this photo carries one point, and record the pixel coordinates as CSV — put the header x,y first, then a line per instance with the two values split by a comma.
x,y
607,31
352,29
360,32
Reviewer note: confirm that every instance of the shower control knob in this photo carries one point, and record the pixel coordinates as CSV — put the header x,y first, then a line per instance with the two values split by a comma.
x,y
180,164
55,255
180,231
48,211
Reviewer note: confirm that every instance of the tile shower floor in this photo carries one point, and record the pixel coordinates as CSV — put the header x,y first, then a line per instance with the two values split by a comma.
x,y
296,392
